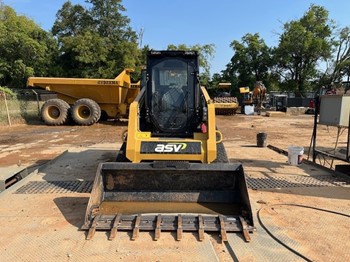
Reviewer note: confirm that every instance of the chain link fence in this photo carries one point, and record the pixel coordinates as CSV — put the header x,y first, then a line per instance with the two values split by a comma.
x,y
19,108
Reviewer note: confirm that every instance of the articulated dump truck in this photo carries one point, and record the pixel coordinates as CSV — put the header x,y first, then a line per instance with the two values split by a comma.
x,y
86,100
172,172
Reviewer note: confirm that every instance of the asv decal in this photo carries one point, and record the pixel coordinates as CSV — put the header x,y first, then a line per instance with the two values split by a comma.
x,y
170,147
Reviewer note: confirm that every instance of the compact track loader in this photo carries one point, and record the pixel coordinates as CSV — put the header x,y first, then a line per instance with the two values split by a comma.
x,y
172,171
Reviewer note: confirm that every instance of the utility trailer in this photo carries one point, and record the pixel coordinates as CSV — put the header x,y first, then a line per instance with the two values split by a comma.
x,y
86,100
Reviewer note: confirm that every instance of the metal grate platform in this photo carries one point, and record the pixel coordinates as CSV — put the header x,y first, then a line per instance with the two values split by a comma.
x,y
296,181
55,187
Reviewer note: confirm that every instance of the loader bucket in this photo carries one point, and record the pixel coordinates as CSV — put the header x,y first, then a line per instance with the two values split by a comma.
x,y
160,196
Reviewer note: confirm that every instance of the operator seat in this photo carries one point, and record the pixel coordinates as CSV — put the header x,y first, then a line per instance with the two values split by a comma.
x,y
173,99
172,113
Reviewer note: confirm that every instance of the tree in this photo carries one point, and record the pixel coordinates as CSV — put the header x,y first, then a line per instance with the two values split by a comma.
x,y
339,64
71,20
95,42
215,80
25,49
303,44
251,62
109,21
206,53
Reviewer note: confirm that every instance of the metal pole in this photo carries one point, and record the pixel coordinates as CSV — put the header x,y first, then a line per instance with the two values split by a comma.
x,y
348,145
314,133
37,100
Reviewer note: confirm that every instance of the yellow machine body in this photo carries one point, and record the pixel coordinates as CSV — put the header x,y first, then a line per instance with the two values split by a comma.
x,y
112,95
207,141
172,172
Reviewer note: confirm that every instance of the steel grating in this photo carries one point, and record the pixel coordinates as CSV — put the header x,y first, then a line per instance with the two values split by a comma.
x,y
296,181
55,187
61,187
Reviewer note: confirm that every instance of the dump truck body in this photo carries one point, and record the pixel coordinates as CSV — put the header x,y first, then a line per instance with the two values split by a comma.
x,y
113,96
172,172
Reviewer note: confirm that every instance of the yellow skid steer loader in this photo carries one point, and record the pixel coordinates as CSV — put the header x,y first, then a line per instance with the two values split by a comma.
x,y
172,172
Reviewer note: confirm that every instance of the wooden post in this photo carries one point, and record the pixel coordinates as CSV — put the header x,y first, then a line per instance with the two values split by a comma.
x,y
7,109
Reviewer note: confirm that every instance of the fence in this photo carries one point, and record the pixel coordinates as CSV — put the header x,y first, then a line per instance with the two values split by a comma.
x,y
19,108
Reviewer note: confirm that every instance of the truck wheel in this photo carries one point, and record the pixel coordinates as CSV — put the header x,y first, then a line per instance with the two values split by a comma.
x,y
86,112
55,112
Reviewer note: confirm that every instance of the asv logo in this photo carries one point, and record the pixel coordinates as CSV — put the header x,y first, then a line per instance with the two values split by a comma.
x,y
170,147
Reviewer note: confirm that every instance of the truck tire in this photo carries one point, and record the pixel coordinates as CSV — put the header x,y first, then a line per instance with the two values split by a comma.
x,y
55,112
86,112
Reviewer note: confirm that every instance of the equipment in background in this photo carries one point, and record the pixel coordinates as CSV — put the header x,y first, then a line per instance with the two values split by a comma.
x,y
247,99
85,100
225,104
279,102
259,95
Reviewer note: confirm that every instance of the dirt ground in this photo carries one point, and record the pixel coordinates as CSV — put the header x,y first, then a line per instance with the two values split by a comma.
x,y
34,144
30,145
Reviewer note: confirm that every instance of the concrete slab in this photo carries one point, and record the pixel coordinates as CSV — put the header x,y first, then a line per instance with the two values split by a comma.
x,y
45,226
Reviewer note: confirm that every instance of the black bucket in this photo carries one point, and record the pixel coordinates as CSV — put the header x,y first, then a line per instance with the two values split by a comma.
x,y
261,139
221,189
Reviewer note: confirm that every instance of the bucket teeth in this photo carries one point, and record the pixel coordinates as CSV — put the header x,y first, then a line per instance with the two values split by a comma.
x,y
157,230
164,222
93,227
222,228
179,228
245,229
136,230
115,227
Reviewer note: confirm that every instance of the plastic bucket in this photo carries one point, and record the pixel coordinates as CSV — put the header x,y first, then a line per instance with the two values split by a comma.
x,y
261,139
295,155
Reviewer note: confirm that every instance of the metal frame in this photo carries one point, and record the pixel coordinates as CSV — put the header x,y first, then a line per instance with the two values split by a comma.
x,y
314,136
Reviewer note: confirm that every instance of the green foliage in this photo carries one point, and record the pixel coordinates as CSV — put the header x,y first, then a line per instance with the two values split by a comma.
x,y
83,54
96,42
7,91
71,20
303,44
251,61
339,64
25,49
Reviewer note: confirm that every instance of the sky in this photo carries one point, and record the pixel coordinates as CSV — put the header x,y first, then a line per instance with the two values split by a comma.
x,y
192,22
